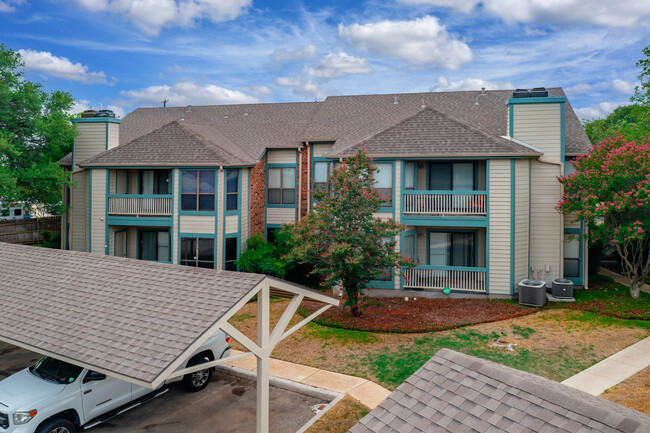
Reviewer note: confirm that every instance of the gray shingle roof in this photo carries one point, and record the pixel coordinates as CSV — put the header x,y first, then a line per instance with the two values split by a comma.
x,y
123,316
430,132
66,161
454,392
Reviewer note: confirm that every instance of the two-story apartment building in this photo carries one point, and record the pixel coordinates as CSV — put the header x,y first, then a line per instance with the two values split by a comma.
x,y
471,175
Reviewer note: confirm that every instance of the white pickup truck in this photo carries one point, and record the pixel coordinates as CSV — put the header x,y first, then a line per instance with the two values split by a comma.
x,y
53,396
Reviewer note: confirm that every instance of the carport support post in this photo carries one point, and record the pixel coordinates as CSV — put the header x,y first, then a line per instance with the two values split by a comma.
x,y
263,339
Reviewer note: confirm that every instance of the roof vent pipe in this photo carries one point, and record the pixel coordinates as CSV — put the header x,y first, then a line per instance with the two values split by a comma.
x,y
246,112
395,102
226,115
189,108
422,106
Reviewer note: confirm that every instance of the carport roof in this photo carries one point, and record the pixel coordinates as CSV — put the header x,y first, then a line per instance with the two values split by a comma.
x,y
127,318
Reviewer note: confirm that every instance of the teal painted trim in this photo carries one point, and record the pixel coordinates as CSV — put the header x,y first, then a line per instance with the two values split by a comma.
x,y
579,280
512,225
197,235
323,159
178,218
403,235
96,120
268,205
139,221
281,165
140,195
450,221
511,120
530,170
547,100
266,192
197,212
266,188
562,138
106,135
402,192
487,230
437,230
274,226
431,192
90,210
106,236
225,195
453,268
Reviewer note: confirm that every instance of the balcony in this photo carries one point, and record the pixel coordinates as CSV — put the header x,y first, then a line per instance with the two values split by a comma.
x,y
140,205
438,277
445,203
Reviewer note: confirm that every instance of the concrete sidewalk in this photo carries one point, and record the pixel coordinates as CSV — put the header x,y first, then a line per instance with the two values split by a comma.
x,y
613,370
367,392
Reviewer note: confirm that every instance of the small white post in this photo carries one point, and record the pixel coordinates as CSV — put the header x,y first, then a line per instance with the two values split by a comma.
x,y
263,337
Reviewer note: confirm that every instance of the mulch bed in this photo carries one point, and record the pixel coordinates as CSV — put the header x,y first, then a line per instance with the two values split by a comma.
x,y
417,315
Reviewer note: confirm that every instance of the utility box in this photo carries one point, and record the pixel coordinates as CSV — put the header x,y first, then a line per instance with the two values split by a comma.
x,y
532,293
562,288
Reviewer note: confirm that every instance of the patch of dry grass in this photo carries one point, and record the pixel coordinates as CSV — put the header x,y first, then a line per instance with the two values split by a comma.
x,y
339,419
633,392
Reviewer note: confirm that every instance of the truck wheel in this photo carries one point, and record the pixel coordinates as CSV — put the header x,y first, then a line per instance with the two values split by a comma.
x,y
198,380
57,425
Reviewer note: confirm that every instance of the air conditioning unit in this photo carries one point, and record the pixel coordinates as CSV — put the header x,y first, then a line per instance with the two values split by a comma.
x,y
562,288
532,293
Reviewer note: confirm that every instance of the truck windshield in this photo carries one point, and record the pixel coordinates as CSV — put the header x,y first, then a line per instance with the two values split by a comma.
x,y
56,371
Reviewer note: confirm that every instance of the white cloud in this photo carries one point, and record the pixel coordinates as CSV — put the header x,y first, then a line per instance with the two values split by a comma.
x,y
304,87
336,65
421,41
442,84
152,15
82,105
597,111
60,67
7,5
259,91
281,55
606,13
187,93
622,86
578,89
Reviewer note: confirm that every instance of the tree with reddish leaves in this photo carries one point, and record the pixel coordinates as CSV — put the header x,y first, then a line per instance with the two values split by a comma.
x,y
340,236
611,189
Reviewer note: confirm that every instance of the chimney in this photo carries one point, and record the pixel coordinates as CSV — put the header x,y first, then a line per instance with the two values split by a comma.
x,y
98,131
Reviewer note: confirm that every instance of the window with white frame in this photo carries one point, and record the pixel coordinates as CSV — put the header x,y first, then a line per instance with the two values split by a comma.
x,y
322,172
282,185
384,182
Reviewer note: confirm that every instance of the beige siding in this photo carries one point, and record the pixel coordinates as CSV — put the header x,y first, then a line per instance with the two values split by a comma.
x,y
499,226
111,240
132,242
232,224
521,219
98,238
176,176
245,173
320,150
197,224
78,212
90,141
383,215
281,156
112,175
546,222
280,215
540,126
569,222
113,135
220,209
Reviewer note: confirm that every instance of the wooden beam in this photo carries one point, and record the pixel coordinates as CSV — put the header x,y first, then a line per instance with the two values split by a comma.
x,y
282,324
209,364
241,338
304,322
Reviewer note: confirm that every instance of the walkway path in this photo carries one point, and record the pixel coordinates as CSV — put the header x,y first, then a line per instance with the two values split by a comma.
x,y
613,370
367,392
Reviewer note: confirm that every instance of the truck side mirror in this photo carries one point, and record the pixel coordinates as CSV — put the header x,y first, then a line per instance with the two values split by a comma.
x,y
93,376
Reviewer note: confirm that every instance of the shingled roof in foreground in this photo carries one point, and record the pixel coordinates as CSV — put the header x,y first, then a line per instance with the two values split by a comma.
x,y
458,393
124,317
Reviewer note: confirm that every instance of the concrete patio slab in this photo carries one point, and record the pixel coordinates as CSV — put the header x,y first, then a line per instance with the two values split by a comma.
x,y
334,381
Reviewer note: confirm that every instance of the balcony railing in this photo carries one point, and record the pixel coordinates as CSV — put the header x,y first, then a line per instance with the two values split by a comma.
x,y
139,205
439,277
472,203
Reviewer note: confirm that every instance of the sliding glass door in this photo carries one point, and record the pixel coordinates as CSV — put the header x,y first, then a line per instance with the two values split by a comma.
x,y
154,245
452,176
452,249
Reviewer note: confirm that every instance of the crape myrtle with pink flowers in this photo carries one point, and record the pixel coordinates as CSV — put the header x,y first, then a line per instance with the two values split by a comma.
x,y
340,236
610,190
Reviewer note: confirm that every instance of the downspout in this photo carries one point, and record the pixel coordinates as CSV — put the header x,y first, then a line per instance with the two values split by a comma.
x,y
308,175
299,182
561,165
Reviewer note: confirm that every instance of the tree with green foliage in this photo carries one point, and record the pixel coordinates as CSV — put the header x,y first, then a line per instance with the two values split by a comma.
x,y
610,188
629,121
642,91
35,133
340,236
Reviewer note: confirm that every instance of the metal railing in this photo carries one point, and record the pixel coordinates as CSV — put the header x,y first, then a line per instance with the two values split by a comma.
x,y
439,277
140,205
445,203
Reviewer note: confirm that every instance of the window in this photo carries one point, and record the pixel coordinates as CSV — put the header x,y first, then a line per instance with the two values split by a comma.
x,y
410,176
231,254
568,167
456,176
270,233
154,182
322,171
452,249
154,245
384,182
197,190
572,258
232,189
282,186
121,181
197,252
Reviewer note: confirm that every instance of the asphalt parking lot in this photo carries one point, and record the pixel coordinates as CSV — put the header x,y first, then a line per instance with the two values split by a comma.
x,y
226,405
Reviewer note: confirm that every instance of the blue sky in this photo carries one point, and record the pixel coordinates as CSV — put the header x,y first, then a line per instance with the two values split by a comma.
x,y
123,54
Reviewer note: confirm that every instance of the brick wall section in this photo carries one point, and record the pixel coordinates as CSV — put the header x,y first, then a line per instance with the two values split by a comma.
x,y
257,198
305,180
